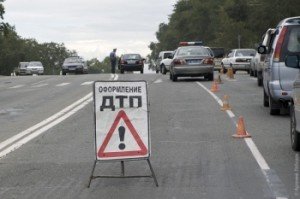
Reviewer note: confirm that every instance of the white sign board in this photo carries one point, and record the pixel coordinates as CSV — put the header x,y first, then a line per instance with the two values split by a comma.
x,y
121,119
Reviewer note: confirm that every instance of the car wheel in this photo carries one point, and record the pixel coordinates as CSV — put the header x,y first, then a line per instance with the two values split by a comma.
x,y
174,78
163,69
266,99
259,81
142,71
210,77
64,73
122,71
251,73
295,135
274,110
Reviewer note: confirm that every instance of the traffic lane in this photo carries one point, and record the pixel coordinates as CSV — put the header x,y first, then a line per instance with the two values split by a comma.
x,y
42,97
270,133
193,155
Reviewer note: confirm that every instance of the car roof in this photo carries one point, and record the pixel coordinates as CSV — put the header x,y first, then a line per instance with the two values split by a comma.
x,y
290,21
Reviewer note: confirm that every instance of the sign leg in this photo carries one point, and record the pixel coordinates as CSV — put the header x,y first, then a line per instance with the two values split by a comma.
x,y
123,168
153,174
92,174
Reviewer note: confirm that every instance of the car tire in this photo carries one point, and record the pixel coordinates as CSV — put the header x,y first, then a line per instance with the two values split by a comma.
x,y
295,135
174,78
142,71
210,77
64,73
259,81
266,99
163,69
274,110
251,73
122,71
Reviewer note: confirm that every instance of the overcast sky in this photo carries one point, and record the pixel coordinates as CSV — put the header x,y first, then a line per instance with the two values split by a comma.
x,y
91,27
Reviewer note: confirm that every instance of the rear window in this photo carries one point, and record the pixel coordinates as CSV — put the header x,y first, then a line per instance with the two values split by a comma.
x,y
291,45
132,56
245,53
192,51
35,64
166,55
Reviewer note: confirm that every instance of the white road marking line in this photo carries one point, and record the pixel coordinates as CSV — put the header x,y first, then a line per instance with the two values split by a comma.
x,y
158,81
63,84
17,86
39,85
87,83
230,114
33,135
258,156
44,122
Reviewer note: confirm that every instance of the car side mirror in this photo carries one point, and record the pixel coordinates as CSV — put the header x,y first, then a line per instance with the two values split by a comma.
x,y
262,49
292,61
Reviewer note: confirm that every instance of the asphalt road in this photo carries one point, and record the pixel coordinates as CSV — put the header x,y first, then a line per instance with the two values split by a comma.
x,y
192,150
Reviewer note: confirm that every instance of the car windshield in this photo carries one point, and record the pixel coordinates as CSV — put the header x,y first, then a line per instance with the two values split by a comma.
x,y
193,51
72,60
35,64
245,53
293,44
132,56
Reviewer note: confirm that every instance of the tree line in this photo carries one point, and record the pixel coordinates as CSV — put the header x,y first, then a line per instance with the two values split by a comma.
x,y
221,23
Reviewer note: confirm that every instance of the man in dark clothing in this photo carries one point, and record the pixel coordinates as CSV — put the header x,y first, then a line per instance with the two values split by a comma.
x,y
113,60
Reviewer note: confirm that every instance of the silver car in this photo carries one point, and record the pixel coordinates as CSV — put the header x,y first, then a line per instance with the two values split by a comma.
x,y
35,67
192,60
278,79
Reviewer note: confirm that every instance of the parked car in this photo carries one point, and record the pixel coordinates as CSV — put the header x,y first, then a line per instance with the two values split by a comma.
x,y
191,59
238,59
21,69
278,79
261,61
35,67
165,64
75,65
161,66
131,62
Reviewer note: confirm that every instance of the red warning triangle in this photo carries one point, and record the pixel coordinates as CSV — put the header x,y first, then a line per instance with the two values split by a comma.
x,y
141,152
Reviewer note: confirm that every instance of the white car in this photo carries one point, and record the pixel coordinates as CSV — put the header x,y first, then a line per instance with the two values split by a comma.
x,y
238,59
165,65
161,66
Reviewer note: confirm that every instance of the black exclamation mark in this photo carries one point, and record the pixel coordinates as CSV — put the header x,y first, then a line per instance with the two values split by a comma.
x,y
122,135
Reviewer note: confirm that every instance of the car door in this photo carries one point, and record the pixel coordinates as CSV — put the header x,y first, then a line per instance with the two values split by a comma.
x,y
267,70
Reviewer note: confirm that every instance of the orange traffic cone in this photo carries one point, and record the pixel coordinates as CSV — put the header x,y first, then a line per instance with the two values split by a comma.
x,y
226,105
214,87
240,130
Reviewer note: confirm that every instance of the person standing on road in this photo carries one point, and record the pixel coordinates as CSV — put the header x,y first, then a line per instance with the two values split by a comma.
x,y
113,60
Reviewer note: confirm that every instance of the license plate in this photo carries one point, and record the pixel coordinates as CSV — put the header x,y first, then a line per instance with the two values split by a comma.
x,y
194,61
131,62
